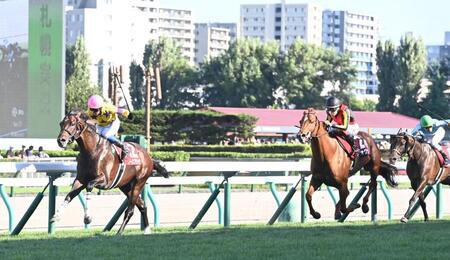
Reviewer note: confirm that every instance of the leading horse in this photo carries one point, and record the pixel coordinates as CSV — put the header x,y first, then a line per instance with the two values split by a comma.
x,y
99,166
331,165
423,168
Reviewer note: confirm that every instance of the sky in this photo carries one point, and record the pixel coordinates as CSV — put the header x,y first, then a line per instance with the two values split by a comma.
x,y
428,19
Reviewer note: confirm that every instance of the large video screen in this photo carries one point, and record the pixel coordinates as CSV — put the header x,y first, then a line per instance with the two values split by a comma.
x,y
31,68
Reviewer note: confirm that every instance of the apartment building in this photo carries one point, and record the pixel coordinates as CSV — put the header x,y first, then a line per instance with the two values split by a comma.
x,y
438,52
234,29
357,34
282,22
210,41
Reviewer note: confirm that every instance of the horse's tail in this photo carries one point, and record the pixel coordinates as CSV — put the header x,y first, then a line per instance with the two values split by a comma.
x,y
160,168
388,172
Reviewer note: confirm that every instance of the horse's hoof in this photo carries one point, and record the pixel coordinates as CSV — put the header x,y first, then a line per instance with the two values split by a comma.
x,y
425,219
147,231
404,220
365,208
353,206
87,220
337,215
316,215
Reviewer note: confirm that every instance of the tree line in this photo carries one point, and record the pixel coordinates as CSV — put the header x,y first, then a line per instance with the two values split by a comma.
x,y
255,74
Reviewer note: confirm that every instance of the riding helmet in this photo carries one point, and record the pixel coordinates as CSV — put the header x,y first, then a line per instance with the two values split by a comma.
x,y
332,102
426,121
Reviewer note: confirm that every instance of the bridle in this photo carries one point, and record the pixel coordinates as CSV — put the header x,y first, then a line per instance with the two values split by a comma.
x,y
405,148
78,130
316,125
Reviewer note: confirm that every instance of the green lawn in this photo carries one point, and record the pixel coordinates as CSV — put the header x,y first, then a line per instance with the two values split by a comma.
x,y
352,240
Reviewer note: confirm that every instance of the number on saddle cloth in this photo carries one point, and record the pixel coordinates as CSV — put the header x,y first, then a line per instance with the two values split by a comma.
x,y
361,146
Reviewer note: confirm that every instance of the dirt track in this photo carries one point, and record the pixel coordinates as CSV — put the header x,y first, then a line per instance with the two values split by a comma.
x,y
180,209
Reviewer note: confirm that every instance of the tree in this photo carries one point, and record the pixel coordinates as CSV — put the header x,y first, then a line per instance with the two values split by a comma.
x,y
411,70
70,50
244,76
387,75
78,86
437,101
137,91
178,78
306,67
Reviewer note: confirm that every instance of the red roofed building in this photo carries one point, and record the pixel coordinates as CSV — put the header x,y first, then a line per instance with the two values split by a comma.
x,y
283,121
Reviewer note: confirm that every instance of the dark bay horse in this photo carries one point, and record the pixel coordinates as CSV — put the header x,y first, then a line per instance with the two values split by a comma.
x,y
422,168
332,166
98,166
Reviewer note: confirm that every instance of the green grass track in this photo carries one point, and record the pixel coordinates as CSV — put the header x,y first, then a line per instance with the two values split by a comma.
x,y
351,240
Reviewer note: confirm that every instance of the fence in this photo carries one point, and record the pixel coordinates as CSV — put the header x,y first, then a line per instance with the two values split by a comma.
x,y
227,169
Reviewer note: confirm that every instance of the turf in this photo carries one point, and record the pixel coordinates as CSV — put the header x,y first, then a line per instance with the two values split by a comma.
x,y
351,240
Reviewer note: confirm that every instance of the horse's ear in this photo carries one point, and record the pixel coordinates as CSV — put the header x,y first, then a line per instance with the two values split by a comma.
x,y
399,130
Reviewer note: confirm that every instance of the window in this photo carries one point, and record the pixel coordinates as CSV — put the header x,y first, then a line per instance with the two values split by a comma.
x,y
277,19
278,10
277,28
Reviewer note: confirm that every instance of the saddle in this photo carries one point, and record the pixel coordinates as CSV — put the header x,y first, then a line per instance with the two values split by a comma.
x,y
360,145
132,158
440,158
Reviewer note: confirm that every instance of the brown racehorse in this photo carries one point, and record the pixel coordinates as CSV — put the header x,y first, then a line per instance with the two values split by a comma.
x,y
332,166
422,168
98,165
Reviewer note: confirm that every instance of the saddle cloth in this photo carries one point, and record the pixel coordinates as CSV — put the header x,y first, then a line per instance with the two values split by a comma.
x,y
360,145
440,157
132,157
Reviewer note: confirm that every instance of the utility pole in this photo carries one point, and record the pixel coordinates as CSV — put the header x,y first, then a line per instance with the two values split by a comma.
x,y
148,100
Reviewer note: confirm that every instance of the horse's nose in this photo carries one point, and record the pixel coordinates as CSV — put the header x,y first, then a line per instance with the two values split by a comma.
x,y
62,142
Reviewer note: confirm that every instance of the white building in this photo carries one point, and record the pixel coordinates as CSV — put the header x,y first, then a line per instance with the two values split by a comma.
x,y
234,29
116,32
357,34
282,22
177,25
437,52
210,41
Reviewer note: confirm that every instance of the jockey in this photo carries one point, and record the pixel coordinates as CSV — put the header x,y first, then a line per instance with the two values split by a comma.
x,y
105,114
432,131
340,120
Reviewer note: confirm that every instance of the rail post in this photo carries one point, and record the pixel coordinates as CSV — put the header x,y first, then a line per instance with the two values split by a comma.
x,y
116,216
388,198
212,187
205,207
8,206
285,201
154,205
29,212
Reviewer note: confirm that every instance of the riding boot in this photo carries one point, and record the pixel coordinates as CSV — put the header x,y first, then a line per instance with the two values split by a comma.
x,y
119,144
124,149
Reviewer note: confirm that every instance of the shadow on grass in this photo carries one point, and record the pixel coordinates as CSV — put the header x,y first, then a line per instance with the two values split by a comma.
x,y
312,241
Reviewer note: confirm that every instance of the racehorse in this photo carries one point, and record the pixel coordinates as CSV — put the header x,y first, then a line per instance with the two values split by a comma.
x,y
423,168
332,166
99,166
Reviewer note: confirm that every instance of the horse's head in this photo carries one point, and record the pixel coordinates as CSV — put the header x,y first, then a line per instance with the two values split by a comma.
x,y
401,143
71,127
309,123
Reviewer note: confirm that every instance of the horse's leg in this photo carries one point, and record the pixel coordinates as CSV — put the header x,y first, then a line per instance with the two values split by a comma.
x,y
372,187
132,200
77,186
343,194
337,211
413,200
313,186
141,206
423,206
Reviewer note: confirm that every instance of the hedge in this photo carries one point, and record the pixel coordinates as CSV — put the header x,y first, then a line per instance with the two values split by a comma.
x,y
193,127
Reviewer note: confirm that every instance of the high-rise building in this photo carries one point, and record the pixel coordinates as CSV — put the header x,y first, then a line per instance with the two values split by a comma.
x,y
282,22
232,27
438,52
358,35
177,25
116,32
210,41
